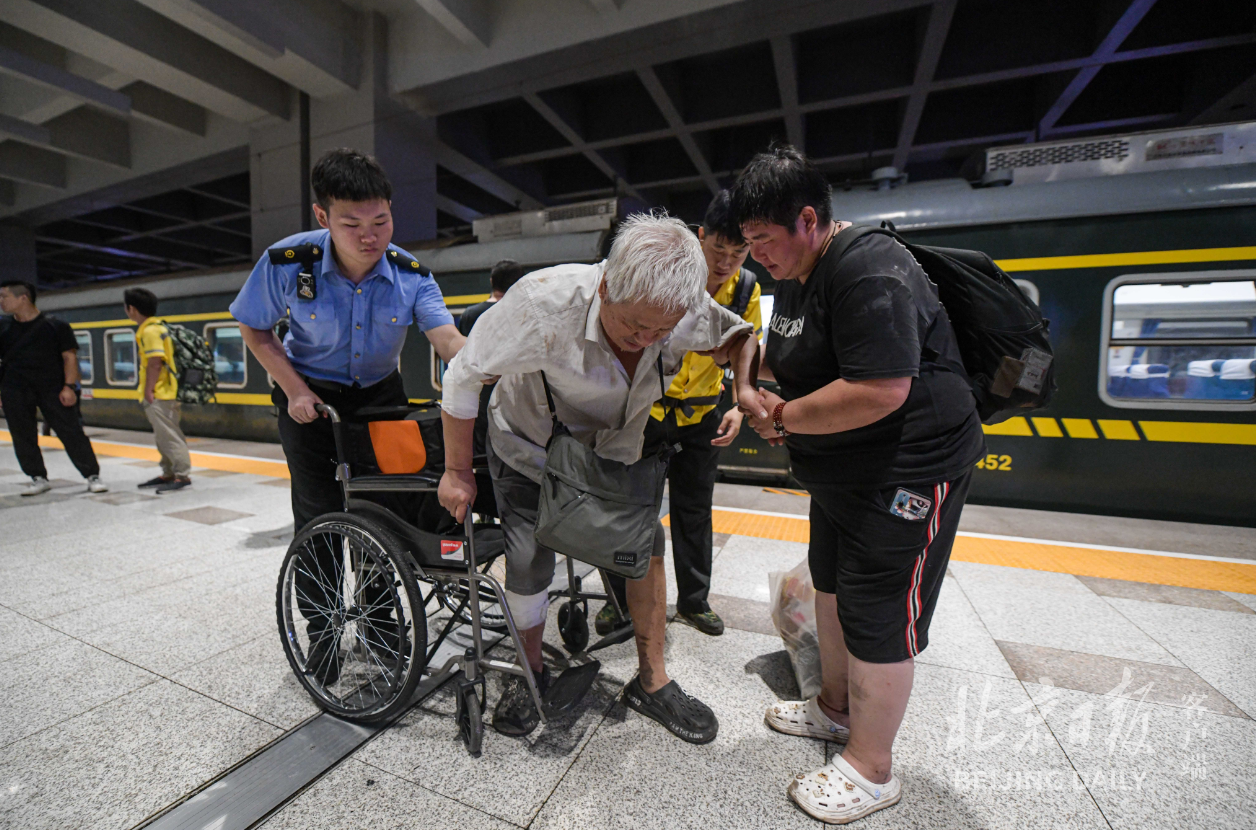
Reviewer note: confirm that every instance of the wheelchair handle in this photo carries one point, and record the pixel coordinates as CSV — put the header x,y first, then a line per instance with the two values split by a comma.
x,y
329,411
334,416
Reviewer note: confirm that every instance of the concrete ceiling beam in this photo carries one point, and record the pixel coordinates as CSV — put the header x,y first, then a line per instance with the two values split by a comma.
x,y
456,209
664,101
926,65
469,21
1127,22
617,176
32,165
17,64
314,45
84,133
787,86
138,41
160,107
484,178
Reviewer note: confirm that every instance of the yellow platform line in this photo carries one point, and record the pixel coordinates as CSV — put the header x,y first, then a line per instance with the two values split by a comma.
x,y
1080,560
208,461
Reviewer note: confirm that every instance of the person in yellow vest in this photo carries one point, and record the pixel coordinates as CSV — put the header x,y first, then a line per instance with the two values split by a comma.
x,y
159,390
688,415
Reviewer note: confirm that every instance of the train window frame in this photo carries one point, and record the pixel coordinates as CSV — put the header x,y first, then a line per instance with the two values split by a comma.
x,y
90,377
108,334
213,327
1106,341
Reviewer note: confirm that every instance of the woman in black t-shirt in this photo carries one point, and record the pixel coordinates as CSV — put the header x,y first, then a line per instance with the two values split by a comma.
x,y
882,430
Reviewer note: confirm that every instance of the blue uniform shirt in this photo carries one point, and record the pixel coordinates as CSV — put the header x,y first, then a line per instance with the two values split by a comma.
x,y
349,333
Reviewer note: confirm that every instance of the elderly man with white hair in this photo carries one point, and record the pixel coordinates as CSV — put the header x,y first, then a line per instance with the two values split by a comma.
x,y
602,335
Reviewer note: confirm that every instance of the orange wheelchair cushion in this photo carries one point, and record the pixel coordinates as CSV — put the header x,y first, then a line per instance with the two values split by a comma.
x,y
398,446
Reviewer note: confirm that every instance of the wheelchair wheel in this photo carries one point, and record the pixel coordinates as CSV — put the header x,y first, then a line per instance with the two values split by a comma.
x,y
573,626
351,618
471,715
491,616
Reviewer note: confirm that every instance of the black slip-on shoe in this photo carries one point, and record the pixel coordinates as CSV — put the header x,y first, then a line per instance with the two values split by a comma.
x,y
708,622
156,482
516,714
685,716
177,484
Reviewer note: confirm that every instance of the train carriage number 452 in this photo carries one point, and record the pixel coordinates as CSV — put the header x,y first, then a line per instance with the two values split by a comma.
x,y
995,462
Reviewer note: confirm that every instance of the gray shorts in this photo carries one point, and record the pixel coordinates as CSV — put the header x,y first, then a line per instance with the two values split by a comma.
x,y
529,566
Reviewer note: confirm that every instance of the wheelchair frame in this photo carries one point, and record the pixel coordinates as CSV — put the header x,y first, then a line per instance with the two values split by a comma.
x,y
473,662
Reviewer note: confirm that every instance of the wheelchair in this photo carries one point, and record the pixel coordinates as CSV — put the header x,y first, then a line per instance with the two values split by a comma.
x,y
357,587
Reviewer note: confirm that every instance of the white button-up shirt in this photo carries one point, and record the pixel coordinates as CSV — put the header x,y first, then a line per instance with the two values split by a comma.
x,y
548,322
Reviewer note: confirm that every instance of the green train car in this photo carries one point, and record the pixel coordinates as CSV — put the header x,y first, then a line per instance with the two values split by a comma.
x,y
1143,261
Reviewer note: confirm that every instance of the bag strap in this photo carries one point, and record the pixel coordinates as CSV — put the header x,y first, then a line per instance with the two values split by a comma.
x,y
549,394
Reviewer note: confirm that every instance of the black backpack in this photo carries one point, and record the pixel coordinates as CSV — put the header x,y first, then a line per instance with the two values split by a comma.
x,y
1003,338
742,292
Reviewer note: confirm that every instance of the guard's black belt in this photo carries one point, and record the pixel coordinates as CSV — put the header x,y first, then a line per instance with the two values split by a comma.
x,y
686,405
338,388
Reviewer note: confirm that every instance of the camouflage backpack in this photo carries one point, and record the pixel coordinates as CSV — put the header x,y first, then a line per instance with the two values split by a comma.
x,y
194,365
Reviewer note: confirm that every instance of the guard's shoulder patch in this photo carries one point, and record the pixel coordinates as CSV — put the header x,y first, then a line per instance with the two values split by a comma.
x,y
405,262
291,255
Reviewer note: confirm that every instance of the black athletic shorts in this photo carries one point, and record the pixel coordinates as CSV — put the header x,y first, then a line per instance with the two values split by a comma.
x,y
883,552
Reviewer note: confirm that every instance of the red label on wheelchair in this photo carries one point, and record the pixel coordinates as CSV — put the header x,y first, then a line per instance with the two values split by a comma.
x,y
451,549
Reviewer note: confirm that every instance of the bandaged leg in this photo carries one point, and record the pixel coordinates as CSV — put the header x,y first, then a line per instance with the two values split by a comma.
x,y
528,611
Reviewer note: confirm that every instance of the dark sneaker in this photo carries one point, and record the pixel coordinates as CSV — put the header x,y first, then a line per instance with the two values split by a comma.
x,y
686,717
607,620
708,622
177,484
516,714
156,482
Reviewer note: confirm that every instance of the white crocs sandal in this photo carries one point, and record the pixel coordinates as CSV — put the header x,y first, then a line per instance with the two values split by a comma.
x,y
805,719
836,794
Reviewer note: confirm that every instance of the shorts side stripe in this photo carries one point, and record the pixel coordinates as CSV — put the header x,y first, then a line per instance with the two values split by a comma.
x,y
913,591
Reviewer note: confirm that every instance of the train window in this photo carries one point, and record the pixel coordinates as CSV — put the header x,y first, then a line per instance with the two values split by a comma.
x,y
1031,290
230,355
1187,343
120,357
84,340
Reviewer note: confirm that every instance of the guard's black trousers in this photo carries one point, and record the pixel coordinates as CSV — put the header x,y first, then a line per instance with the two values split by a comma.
x,y
20,401
311,453
691,488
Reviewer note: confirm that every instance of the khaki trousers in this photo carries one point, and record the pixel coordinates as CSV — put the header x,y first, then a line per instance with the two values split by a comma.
x,y
164,416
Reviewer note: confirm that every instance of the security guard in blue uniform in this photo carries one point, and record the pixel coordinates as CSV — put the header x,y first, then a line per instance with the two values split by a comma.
x,y
349,296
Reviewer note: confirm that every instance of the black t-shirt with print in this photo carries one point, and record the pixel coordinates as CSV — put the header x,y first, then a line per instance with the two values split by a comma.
x,y
864,317
36,360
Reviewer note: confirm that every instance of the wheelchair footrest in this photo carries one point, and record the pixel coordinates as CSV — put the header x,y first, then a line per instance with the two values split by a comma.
x,y
570,688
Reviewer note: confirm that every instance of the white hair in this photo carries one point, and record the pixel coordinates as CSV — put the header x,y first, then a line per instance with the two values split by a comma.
x,y
655,259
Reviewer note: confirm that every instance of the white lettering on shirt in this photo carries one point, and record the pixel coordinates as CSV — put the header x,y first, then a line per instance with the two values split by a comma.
x,y
786,327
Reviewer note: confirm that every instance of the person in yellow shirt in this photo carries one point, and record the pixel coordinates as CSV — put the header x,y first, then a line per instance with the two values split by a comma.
x,y
688,416
159,391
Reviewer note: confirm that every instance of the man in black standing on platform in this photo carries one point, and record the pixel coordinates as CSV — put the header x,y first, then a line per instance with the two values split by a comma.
x,y
39,369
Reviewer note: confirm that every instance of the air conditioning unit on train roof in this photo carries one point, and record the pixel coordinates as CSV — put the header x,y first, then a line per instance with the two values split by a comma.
x,y
597,215
1116,155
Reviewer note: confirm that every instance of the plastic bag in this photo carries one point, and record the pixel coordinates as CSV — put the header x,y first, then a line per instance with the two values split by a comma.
x,y
794,615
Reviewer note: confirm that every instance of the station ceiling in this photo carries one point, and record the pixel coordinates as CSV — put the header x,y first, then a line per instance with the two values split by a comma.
x,y
658,101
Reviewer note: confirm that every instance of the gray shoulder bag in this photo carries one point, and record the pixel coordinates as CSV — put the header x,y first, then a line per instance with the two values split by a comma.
x,y
596,510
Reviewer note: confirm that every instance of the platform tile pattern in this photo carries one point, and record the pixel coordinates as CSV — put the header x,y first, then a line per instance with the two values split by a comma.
x,y
141,660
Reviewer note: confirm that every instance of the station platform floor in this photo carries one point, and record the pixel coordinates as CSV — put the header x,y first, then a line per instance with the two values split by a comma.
x,y
1082,672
